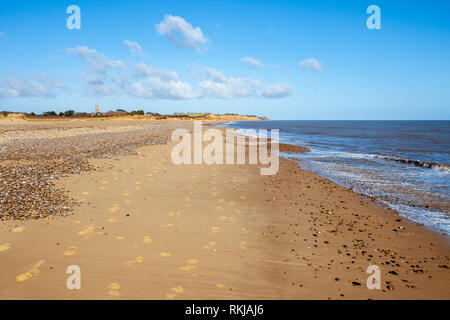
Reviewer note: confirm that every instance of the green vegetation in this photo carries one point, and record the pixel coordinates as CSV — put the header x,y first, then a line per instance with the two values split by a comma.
x,y
137,112
190,114
122,112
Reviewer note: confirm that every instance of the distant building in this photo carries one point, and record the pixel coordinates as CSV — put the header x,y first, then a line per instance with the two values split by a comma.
x,y
97,109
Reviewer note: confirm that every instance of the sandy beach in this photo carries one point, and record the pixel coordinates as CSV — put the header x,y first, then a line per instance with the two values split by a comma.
x,y
140,227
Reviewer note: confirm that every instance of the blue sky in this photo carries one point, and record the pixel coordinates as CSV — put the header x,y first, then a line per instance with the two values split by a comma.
x,y
280,59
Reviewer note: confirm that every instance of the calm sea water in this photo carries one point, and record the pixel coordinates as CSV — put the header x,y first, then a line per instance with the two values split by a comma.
x,y
403,163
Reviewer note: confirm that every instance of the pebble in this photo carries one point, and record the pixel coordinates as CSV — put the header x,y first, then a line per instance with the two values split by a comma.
x,y
30,167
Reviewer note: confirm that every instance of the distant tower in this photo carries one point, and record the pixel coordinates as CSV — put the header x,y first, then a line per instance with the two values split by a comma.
x,y
97,109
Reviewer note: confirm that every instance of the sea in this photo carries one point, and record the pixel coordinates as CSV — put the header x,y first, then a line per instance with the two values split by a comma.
x,y
404,164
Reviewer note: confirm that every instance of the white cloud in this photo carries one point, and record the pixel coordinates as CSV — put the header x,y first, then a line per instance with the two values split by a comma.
x,y
135,47
47,80
277,90
97,77
98,85
94,59
180,32
151,83
19,86
310,64
148,82
143,70
105,76
252,62
218,86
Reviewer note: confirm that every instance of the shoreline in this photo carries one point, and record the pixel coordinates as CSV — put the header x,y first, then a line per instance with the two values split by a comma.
x,y
162,231
378,202
291,149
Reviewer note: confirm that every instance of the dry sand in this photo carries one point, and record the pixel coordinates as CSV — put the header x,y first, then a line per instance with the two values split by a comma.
x,y
148,229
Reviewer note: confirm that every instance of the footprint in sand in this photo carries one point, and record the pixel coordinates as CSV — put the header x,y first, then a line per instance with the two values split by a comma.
x,y
209,244
5,247
32,272
165,254
190,264
114,286
114,209
147,239
137,260
113,289
72,250
192,261
242,244
220,285
187,267
18,229
178,289
215,229
166,225
87,230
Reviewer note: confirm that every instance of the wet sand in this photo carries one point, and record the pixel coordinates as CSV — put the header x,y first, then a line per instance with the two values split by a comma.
x,y
145,228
